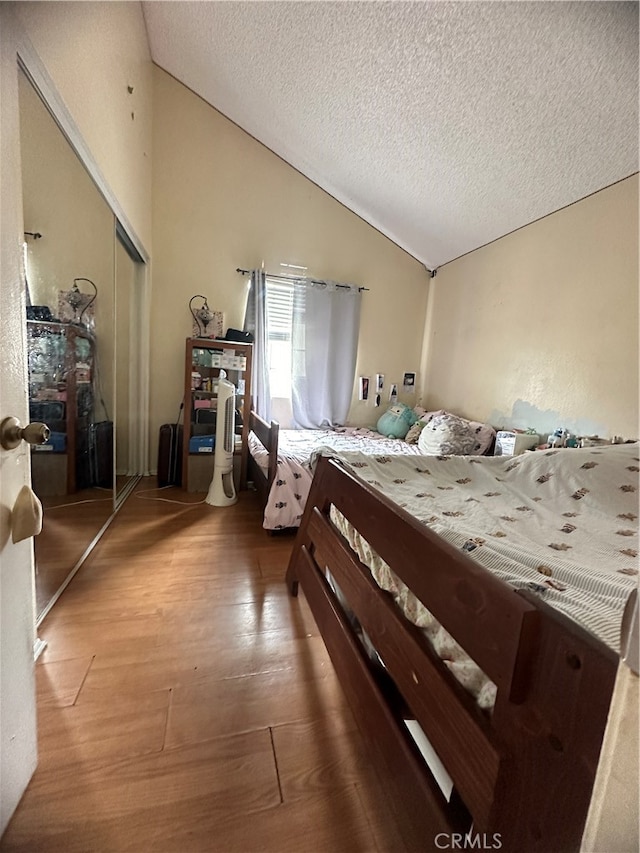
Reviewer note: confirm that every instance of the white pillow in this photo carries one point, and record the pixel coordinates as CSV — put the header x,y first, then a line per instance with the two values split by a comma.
x,y
447,435
484,433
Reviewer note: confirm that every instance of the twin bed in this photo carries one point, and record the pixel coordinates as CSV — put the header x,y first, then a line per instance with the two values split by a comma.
x,y
279,460
472,609
279,464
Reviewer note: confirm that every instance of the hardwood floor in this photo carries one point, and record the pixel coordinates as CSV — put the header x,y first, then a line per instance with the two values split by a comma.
x,y
187,703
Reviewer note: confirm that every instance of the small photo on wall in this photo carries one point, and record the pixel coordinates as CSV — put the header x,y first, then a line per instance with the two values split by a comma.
x,y
363,393
409,382
379,382
393,393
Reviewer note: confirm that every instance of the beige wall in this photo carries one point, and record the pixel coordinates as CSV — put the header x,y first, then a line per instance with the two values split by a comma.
x,y
540,328
220,201
93,52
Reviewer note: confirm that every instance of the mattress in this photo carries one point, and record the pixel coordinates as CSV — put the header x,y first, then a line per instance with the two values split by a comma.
x,y
290,489
561,523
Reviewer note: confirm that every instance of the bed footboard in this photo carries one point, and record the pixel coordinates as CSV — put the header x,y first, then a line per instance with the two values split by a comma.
x,y
523,774
268,436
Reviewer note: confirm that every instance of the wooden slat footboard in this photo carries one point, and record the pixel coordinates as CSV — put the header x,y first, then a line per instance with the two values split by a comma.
x,y
268,436
525,772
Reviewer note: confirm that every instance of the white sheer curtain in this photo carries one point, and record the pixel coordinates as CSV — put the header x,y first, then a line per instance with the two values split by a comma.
x,y
326,321
255,321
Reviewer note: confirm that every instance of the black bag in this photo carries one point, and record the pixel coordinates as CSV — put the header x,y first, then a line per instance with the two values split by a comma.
x,y
101,443
206,416
239,336
85,400
170,455
94,455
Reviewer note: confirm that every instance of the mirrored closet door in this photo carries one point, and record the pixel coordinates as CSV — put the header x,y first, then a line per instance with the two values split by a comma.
x,y
128,269
79,280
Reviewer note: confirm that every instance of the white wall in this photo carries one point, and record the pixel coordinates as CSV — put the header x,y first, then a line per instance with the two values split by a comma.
x,y
540,328
221,200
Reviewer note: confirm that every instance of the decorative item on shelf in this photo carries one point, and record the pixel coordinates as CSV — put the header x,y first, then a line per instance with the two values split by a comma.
x,y
561,437
593,441
206,323
74,305
513,442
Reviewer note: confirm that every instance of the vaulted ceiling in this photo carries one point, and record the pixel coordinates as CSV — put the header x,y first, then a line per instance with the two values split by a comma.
x,y
443,124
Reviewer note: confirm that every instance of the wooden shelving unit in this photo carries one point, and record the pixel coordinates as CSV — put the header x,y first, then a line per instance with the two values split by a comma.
x,y
62,375
205,358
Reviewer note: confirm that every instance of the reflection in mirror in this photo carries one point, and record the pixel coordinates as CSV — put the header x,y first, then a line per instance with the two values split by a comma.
x,y
69,268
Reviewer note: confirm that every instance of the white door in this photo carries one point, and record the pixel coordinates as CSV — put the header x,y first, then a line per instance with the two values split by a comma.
x,y
18,746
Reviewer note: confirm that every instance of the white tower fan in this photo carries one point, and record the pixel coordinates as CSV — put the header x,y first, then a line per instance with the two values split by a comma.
x,y
222,491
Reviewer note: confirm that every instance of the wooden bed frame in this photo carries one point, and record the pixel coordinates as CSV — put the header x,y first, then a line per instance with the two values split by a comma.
x,y
523,775
268,435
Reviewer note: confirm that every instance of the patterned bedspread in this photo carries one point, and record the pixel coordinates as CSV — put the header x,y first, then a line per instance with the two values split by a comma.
x,y
295,447
562,523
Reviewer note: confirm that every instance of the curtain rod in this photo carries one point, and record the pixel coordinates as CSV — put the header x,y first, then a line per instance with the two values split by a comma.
x,y
293,279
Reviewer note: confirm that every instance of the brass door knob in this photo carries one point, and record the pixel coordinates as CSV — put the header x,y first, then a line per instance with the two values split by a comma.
x,y
12,433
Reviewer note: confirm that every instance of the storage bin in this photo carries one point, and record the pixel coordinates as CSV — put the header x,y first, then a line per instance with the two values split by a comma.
x,y
56,443
202,443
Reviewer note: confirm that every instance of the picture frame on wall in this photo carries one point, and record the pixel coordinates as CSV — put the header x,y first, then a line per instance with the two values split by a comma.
x,y
363,388
393,393
409,382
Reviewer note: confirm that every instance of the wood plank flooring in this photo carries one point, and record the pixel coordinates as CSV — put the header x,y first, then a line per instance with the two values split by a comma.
x,y
187,703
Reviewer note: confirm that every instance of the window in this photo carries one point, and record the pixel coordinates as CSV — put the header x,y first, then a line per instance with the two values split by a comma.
x,y
279,336
306,335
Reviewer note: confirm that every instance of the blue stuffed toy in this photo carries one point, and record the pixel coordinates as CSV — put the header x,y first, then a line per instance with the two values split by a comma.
x,y
396,421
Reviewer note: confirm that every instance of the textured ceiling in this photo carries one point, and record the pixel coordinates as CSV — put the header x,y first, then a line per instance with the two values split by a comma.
x,y
444,124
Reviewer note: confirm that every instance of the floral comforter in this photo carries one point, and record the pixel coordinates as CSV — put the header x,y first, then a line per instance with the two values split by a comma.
x,y
290,489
